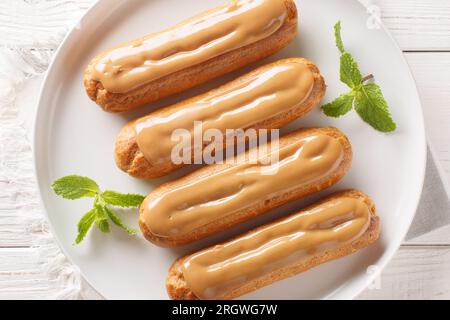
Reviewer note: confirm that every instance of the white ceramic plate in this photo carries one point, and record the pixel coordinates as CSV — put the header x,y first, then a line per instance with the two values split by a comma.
x,y
73,136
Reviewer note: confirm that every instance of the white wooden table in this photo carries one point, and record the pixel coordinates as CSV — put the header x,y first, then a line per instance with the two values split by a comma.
x,y
420,270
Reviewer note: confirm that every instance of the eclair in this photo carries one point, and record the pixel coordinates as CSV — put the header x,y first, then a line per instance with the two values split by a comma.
x,y
334,227
220,196
190,53
269,97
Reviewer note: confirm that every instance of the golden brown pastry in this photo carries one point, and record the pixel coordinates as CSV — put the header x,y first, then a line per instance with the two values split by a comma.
x,y
334,227
192,52
221,196
268,97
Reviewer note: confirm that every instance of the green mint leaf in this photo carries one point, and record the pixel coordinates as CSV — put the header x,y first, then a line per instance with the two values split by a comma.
x,y
367,98
373,108
85,224
350,74
337,34
102,216
340,106
121,199
75,187
103,225
117,221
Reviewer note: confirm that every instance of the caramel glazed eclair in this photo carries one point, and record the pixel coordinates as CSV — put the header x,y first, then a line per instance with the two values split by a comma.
x,y
220,196
199,49
266,98
336,226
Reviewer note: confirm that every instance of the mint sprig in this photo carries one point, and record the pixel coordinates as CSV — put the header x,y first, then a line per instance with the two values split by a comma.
x,y
75,187
367,98
122,200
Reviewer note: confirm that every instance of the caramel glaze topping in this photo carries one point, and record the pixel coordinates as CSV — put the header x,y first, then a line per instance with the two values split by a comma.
x,y
196,40
187,206
214,272
280,88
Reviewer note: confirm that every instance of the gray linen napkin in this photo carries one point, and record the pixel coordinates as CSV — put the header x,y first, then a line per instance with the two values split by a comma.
x,y
434,207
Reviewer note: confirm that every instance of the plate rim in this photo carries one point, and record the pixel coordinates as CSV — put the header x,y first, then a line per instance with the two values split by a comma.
x,y
390,255
387,255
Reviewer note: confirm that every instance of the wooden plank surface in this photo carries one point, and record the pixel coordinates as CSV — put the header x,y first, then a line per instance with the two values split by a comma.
x,y
415,273
422,25
24,23
418,271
